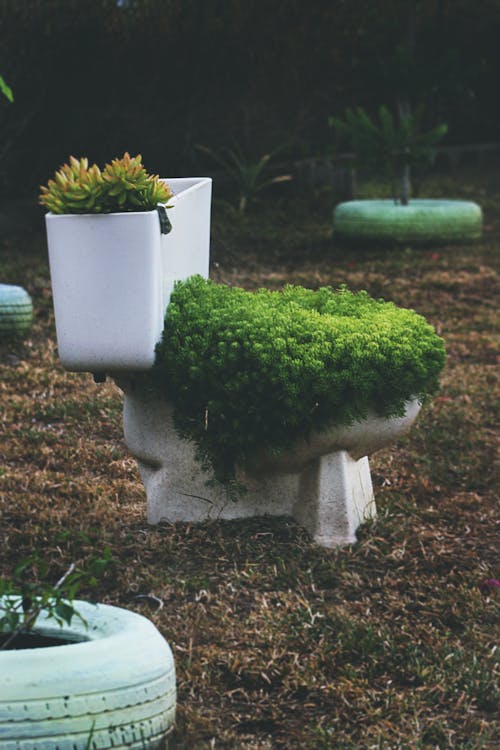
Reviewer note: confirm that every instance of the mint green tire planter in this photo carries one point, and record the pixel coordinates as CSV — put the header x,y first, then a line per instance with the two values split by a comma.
x,y
16,311
114,686
421,221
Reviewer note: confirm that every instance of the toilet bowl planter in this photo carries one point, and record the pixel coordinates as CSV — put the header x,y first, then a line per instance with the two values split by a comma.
x,y
112,275
320,375
286,392
111,683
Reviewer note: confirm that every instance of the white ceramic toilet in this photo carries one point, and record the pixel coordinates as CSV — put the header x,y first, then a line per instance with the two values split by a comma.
x,y
112,276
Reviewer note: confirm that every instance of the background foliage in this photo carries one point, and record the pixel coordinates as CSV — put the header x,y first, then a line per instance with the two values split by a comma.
x,y
101,77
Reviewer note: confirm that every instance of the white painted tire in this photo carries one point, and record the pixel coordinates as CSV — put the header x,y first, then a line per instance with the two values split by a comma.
x,y
16,311
116,688
421,221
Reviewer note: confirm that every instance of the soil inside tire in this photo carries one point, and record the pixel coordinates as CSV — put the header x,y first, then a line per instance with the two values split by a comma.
x,y
36,640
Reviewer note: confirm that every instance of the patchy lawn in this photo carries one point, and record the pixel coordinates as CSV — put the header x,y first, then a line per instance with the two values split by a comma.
x,y
389,643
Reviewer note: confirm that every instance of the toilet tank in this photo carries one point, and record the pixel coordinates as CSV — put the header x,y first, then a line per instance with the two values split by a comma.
x,y
112,276
185,251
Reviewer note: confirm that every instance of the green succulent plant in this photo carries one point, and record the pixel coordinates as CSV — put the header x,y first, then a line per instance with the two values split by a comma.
x,y
123,185
75,189
252,372
130,187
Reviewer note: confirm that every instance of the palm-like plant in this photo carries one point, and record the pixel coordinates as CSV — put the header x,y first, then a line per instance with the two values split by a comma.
x,y
389,145
245,172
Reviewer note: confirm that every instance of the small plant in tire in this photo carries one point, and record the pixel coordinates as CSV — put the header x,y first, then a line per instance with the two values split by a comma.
x,y
389,145
22,600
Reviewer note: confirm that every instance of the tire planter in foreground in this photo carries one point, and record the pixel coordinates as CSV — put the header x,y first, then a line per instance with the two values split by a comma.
x,y
16,311
111,685
421,221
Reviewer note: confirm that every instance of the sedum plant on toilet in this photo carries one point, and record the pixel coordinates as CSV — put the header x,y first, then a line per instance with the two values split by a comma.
x,y
253,373
276,400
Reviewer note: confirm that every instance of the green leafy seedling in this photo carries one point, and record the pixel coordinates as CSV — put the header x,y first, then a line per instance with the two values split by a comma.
x,y
23,600
246,173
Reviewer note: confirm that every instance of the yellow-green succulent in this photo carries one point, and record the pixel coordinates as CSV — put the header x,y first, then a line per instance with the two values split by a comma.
x,y
123,185
75,189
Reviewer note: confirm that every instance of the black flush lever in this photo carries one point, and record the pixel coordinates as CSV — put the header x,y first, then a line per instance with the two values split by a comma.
x,y
165,225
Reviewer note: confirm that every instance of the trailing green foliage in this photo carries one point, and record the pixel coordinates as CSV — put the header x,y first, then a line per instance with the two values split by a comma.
x,y
252,372
123,185
389,146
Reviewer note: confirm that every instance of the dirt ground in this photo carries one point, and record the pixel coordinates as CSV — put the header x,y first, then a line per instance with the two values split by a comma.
x,y
388,643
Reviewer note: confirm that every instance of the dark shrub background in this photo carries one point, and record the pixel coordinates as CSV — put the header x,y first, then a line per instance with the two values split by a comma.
x,y
98,77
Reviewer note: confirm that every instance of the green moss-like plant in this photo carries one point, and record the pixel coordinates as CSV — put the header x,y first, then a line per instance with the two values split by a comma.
x,y
123,185
251,372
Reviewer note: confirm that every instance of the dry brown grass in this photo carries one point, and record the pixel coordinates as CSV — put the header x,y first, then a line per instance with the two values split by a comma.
x,y
389,643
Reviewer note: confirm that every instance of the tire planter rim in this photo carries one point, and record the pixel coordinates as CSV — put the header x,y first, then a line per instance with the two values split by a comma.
x,y
118,686
16,311
422,220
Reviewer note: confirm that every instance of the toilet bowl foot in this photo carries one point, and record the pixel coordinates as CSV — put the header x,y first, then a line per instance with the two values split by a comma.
x,y
335,497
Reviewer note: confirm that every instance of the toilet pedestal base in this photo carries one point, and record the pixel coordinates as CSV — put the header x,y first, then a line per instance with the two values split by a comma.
x,y
330,495
335,496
